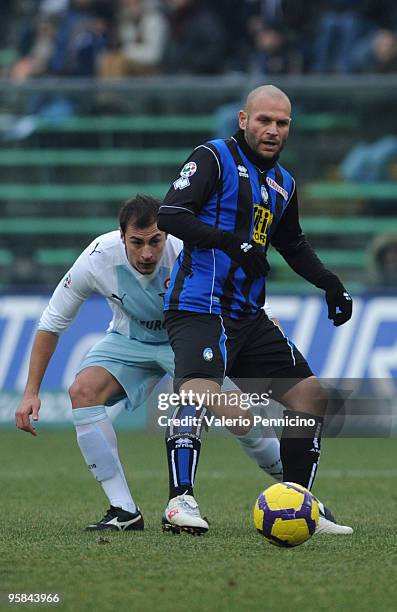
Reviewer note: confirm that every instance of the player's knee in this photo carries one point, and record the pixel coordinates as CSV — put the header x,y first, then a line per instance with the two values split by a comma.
x,y
307,396
318,399
82,394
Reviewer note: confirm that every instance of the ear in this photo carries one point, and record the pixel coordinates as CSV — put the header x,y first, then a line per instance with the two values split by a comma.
x,y
242,119
122,236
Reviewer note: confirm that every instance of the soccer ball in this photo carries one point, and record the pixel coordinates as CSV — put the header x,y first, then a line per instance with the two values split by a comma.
x,y
286,514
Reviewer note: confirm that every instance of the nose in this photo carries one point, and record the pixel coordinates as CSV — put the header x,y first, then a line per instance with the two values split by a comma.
x,y
272,128
147,253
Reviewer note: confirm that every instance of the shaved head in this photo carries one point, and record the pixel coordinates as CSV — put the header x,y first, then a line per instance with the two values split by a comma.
x,y
266,120
256,96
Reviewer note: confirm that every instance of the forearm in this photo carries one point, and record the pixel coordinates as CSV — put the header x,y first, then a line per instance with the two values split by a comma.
x,y
190,229
301,257
43,348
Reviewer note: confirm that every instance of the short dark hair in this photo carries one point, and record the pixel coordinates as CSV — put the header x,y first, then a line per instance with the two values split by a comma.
x,y
142,211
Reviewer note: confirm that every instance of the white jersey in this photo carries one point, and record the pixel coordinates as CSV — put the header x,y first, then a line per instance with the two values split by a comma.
x,y
136,299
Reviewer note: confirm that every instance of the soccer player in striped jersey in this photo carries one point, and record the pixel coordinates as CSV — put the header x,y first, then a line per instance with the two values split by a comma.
x,y
232,200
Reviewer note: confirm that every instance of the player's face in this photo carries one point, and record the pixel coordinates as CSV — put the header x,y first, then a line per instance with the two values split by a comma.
x,y
266,125
144,247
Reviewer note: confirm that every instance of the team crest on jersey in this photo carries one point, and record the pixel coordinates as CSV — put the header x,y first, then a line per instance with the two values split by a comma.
x,y
264,194
262,222
277,187
189,169
208,354
242,171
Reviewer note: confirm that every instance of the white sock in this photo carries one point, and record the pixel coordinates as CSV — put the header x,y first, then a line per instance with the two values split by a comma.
x,y
266,453
262,445
98,443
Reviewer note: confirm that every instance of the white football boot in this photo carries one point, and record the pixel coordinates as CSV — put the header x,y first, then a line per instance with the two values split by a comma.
x,y
327,523
182,514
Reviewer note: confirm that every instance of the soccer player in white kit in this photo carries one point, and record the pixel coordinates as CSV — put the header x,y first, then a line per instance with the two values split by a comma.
x,y
131,269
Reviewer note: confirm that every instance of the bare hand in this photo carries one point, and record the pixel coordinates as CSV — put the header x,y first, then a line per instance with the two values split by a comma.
x,y
28,406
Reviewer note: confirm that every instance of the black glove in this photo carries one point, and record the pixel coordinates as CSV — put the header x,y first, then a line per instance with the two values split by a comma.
x,y
247,254
340,305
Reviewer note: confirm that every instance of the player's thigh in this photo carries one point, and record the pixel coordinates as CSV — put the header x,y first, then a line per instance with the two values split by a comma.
x,y
94,385
306,396
198,342
268,360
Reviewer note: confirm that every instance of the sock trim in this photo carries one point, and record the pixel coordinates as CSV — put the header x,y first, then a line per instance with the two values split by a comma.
x,y
88,415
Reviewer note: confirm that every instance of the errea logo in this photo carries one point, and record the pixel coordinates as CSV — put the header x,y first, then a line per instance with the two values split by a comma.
x,y
242,171
183,443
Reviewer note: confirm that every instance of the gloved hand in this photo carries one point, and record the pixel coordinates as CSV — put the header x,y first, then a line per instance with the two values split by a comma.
x,y
340,305
247,254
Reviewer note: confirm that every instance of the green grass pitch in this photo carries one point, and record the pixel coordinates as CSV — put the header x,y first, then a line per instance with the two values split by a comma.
x,y
48,496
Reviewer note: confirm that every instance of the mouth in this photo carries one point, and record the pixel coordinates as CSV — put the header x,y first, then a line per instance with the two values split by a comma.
x,y
270,145
146,267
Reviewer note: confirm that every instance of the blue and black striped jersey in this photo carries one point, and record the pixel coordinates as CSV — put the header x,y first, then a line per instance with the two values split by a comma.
x,y
224,189
226,192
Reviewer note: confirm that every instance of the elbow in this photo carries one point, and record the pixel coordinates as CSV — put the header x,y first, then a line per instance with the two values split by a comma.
x,y
293,247
171,224
163,223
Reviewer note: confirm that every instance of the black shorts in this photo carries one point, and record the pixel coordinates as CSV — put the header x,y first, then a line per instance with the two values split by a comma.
x,y
253,352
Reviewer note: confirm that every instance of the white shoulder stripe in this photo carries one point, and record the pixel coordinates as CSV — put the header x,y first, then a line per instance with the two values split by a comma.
x,y
179,207
214,154
292,192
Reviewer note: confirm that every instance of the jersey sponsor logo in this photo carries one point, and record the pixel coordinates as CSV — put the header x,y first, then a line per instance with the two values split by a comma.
x,y
277,187
208,354
189,169
262,221
264,194
242,171
153,325
181,183
68,281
